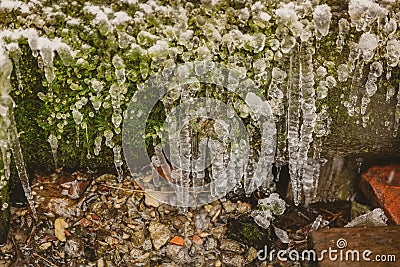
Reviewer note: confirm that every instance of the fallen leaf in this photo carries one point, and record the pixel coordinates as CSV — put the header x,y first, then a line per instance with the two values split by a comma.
x,y
45,246
59,227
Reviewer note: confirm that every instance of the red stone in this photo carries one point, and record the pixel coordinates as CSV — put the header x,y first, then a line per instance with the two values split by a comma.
x,y
197,240
381,185
177,241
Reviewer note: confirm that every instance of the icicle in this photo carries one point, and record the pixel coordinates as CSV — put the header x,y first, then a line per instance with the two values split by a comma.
x,y
397,114
287,44
322,18
97,145
344,26
308,181
11,139
355,65
6,160
392,52
367,44
309,117
375,72
276,94
19,163
321,129
64,52
186,162
343,72
390,93
119,66
318,223
118,162
53,141
47,54
15,54
293,122
77,116
108,134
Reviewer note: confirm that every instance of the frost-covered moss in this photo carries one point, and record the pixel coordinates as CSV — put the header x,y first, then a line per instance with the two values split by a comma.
x,y
78,64
117,46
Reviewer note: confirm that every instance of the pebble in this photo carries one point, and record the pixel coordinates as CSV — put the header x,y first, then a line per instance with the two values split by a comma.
x,y
74,248
197,240
251,255
100,262
159,233
177,240
243,207
231,245
176,253
229,207
151,201
234,260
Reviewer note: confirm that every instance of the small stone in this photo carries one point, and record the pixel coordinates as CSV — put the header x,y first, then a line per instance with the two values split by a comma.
x,y
176,253
179,222
151,201
159,234
177,240
197,240
229,207
74,248
208,208
138,238
125,236
219,231
210,244
251,255
100,262
234,260
243,207
204,234
230,245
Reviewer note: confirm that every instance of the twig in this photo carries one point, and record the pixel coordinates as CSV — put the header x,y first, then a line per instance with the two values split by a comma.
x,y
32,233
44,259
124,189
149,191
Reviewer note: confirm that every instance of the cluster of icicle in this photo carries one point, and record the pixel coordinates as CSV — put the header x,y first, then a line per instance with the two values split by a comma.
x,y
10,54
298,82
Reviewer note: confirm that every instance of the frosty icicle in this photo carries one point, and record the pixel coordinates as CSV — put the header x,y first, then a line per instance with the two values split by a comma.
x,y
9,133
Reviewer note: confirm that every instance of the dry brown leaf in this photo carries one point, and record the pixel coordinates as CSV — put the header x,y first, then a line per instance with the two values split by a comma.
x,y
59,227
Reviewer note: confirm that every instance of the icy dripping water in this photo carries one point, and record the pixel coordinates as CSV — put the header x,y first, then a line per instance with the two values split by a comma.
x,y
299,81
9,133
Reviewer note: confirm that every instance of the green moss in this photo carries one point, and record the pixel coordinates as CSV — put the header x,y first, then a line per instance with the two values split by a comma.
x,y
246,231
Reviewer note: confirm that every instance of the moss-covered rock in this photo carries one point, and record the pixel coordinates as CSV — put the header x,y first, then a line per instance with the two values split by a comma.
x,y
246,231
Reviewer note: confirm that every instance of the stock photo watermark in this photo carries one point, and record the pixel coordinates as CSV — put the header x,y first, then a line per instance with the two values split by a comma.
x,y
183,182
340,253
